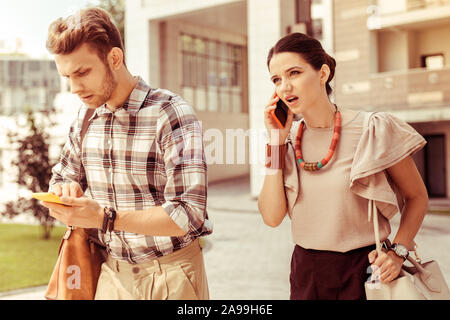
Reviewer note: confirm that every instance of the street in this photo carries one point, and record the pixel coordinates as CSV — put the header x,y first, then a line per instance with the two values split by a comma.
x,y
246,259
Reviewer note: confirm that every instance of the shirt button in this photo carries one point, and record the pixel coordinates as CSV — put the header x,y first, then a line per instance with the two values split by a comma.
x,y
135,270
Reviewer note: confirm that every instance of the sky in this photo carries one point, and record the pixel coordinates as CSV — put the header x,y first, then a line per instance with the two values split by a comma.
x,y
29,20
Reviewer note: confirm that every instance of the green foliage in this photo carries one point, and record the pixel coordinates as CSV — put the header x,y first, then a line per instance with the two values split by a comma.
x,y
26,260
34,169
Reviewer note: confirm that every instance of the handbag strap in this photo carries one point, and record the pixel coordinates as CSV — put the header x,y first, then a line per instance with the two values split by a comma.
x,y
84,128
374,215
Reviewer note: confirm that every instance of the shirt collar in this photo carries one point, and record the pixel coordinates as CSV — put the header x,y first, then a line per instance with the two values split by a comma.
x,y
133,103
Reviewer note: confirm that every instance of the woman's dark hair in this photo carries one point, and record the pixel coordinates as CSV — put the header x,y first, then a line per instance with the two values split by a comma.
x,y
309,48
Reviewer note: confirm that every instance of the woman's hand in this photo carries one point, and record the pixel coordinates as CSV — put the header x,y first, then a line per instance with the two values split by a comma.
x,y
277,136
388,265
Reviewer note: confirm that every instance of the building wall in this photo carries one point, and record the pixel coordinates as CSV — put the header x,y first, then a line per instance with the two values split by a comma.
x,y
27,83
352,53
216,20
380,69
392,51
155,25
432,41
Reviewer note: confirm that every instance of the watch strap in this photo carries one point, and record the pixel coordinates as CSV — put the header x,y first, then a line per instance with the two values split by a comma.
x,y
395,248
108,219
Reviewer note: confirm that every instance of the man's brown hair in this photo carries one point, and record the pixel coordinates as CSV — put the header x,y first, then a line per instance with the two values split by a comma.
x,y
92,26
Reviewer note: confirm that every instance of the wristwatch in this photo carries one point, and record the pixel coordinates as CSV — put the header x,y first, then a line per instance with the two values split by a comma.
x,y
400,250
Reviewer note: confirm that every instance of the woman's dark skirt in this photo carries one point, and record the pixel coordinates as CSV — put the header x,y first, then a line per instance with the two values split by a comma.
x,y
329,275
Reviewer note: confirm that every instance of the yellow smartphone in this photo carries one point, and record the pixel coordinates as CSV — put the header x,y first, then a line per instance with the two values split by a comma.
x,y
47,197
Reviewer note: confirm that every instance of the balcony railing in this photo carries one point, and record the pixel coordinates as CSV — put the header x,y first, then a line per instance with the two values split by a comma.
x,y
424,4
411,88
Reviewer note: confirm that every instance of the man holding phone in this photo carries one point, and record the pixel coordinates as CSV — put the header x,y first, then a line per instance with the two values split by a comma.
x,y
140,170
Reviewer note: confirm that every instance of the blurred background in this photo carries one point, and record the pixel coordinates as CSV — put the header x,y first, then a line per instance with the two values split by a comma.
x,y
391,56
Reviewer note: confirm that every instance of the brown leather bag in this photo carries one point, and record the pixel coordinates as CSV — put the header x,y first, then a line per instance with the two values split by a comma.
x,y
77,269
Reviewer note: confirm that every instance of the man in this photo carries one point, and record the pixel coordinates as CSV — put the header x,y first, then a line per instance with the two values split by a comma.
x,y
139,175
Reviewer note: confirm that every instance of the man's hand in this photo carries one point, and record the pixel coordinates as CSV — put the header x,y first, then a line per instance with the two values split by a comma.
x,y
83,212
72,189
388,265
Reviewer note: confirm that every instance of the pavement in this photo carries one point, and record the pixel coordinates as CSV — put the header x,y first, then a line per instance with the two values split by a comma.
x,y
245,259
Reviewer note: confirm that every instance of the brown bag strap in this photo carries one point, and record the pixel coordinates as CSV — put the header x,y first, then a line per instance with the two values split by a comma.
x,y
85,125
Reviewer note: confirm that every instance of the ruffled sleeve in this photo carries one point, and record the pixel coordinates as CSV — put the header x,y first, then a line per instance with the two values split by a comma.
x,y
385,141
290,171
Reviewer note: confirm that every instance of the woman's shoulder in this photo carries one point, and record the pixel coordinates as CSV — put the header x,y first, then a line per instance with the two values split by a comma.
x,y
371,119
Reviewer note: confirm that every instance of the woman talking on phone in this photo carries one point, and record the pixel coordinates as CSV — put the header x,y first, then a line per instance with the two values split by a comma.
x,y
322,172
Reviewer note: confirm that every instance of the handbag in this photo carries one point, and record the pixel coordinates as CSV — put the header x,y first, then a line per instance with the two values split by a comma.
x,y
78,267
421,281
80,257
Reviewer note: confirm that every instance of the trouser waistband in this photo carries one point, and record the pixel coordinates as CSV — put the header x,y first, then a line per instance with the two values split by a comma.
x,y
158,264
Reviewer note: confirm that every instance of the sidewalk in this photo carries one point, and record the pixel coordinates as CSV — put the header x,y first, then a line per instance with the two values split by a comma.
x,y
246,259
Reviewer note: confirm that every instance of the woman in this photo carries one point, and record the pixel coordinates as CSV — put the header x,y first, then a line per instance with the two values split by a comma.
x,y
362,154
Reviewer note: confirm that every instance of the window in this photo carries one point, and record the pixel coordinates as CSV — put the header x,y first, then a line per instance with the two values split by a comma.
x,y
34,66
212,77
432,61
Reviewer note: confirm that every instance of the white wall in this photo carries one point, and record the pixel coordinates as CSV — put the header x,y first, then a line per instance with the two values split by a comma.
x,y
264,30
389,6
158,9
137,37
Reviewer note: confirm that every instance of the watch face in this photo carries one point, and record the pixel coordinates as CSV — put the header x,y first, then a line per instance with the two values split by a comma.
x,y
401,250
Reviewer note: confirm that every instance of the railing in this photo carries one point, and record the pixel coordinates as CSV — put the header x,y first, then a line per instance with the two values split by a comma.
x,y
423,4
415,87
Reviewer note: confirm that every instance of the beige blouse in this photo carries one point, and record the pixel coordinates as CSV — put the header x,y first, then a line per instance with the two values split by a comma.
x,y
329,207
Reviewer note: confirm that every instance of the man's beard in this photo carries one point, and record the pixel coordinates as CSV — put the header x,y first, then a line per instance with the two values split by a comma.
x,y
109,84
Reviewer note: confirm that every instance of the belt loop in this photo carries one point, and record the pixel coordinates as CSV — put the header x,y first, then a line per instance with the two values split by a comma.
x,y
117,266
157,265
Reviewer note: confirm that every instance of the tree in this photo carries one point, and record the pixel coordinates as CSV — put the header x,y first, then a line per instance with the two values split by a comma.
x,y
34,168
116,9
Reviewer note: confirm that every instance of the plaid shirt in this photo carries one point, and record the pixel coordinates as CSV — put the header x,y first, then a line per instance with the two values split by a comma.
x,y
147,153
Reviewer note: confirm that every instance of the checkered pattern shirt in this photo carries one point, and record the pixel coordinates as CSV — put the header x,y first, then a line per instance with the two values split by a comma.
x,y
147,153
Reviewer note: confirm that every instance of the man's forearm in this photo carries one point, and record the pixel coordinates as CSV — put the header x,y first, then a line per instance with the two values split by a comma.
x,y
153,222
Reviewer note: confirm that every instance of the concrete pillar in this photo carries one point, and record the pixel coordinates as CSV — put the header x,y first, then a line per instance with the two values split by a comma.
x,y
267,23
138,41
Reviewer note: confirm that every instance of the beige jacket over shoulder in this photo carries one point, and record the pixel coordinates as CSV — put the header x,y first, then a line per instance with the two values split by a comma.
x,y
370,143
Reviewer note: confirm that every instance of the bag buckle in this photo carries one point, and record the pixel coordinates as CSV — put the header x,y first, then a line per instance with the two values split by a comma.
x,y
416,255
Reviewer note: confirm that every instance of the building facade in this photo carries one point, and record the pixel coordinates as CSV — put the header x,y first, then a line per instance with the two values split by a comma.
x,y
24,84
391,56
213,53
399,61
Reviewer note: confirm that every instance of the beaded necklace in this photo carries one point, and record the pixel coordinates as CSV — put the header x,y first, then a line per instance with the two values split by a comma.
x,y
314,166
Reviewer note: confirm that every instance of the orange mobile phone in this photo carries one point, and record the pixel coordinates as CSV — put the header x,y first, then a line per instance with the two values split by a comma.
x,y
47,197
280,113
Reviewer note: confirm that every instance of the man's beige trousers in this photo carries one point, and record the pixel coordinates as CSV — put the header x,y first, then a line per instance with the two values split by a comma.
x,y
180,275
